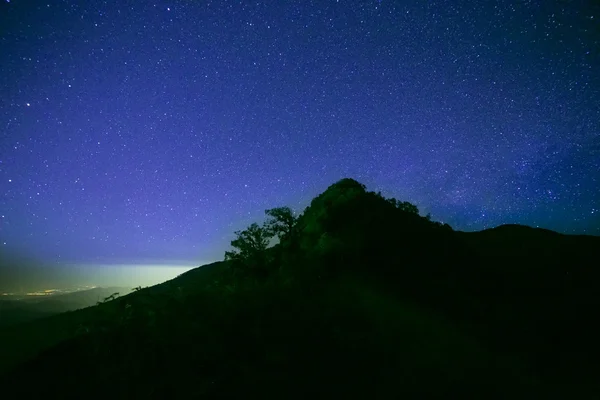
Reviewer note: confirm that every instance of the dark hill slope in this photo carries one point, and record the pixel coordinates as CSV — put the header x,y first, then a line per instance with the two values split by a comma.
x,y
14,312
349,341
532,248
363,298
24,310
544,296
21,342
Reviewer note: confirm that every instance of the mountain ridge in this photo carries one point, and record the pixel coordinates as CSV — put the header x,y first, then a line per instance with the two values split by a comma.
x,y
349,291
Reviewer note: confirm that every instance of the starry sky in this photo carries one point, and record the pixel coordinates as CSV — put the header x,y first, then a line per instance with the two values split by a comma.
x,y
148,132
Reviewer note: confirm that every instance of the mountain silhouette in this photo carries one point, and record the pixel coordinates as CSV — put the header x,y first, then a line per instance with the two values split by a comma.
x,y
362,297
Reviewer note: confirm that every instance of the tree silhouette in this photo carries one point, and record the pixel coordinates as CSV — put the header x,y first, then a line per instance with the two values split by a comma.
x,y
109,298
249,246
282,221
354,277
404,206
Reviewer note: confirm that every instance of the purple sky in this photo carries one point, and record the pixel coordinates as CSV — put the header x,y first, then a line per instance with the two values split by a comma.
x,y
148,132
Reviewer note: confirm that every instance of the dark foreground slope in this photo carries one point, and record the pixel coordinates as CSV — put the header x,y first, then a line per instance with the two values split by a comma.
x,y
544,297
364,298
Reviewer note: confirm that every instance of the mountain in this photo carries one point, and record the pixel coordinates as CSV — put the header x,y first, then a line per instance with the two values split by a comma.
x,y
361,298
15,312
34,307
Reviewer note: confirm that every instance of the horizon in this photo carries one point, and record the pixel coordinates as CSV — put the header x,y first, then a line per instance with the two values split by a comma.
x,y
35,278
15,269
64,276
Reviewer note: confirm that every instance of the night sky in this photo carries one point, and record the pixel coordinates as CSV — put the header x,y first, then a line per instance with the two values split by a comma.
x,y
138,132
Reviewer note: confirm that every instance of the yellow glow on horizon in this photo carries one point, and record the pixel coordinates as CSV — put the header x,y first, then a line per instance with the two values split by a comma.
x,y
131,275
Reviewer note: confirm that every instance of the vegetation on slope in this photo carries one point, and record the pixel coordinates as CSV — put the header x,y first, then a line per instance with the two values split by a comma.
x,y
361,297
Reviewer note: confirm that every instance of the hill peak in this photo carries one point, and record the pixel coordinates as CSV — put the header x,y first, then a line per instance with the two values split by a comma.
x,y
347,184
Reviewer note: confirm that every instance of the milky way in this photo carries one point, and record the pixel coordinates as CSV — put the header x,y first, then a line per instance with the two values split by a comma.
x,y
135,130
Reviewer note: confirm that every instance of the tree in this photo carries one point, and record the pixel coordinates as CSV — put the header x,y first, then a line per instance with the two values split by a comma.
x,y
442,226
407,207
282,221
403,205
249,245
109,298
391,200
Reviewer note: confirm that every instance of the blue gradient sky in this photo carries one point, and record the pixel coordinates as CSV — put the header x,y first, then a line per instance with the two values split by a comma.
x,y
135,132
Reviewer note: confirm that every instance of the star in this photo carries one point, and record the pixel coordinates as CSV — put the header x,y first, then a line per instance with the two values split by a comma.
x,y
455,109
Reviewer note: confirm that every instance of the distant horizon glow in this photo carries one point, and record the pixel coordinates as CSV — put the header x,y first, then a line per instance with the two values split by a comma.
x,y
131,275
42,278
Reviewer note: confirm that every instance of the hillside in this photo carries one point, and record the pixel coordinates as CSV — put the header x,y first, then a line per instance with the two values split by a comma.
x,y
362,297
24,310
